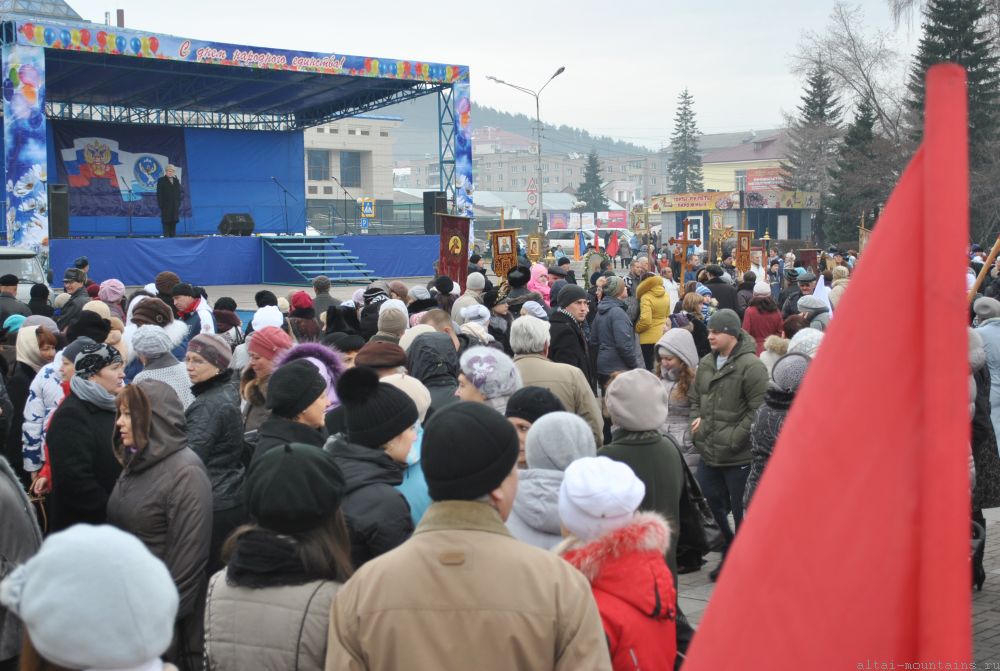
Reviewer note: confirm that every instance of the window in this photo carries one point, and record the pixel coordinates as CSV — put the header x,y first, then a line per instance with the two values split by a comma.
x,y
313,189
383,133
352,131
327,190
741,180
318,164
334,131
366,132
320,130
350,168
545,180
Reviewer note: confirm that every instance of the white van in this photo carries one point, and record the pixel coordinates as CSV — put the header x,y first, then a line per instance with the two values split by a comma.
x,y
564,237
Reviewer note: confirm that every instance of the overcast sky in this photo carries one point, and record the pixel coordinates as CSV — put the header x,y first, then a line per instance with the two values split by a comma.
x,y
625,61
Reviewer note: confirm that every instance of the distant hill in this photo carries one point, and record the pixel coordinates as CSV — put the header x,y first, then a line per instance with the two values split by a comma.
x,y
418,137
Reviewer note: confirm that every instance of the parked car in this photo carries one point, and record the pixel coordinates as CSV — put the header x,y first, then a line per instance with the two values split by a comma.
x,y
25,264
564,237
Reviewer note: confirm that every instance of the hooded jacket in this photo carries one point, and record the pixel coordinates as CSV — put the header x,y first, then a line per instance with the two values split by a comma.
x,y
432,359
277,431
678,424
534,517
215,434
378,516
654,309
615,340
726,401
44,396
634,591
164,498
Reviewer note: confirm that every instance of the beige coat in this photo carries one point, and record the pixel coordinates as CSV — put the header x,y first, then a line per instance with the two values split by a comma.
x,y
567,383
837,292
269,629
469,298
463,594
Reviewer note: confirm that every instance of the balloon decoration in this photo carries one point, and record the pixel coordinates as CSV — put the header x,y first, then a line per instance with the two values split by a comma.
x,y
85,37
120,44
102,39
64,38
136,45
154,44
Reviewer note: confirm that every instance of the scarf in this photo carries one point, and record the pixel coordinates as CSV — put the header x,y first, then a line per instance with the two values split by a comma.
x,y
190,310
264,558
27,348
92,392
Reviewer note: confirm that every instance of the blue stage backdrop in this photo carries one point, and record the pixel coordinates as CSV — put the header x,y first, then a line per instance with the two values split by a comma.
x,y
112,169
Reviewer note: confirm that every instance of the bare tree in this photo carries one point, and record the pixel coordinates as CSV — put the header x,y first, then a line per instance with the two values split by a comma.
x,y
864,65
903,11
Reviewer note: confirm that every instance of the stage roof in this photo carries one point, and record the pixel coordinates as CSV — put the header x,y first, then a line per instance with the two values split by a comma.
x,y
116,74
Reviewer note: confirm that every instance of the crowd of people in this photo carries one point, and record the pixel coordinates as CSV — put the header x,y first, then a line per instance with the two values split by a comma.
x,y
431,476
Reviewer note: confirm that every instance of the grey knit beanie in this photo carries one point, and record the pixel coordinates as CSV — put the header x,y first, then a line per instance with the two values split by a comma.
x,y
151,341
789,371
986,308
556,440
637,401
725,321
613,286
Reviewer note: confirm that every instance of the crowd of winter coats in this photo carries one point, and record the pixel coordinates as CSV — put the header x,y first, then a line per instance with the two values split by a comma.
x,y
420,476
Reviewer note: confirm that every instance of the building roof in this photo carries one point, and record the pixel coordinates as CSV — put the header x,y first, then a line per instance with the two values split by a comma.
x,y
49,9
763,148
714,141
497,200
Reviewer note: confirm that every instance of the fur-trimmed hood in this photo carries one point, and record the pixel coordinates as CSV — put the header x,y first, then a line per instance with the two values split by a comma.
x,y
331,361
776,345
176,330
629,563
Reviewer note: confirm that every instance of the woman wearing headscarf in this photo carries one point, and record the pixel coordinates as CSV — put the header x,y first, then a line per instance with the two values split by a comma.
x,y
164,498
264,347
84,469
152,346
487,376
35,348
111,294
270,607
432,359
539,282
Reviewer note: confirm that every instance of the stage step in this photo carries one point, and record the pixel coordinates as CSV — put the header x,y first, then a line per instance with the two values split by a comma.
x,y
294,260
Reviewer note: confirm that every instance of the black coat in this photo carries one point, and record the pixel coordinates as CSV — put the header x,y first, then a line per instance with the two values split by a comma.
x,y
168,199
723,292
986,493
84,468
764,434
18,389
9,305
569,345
378,517
41,308
215,434
277,431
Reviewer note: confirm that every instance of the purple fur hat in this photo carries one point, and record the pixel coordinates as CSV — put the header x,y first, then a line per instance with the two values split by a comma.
x,y
325,359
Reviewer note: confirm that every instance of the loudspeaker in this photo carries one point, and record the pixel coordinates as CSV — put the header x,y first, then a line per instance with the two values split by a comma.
x,y
236,224
434,202
58,211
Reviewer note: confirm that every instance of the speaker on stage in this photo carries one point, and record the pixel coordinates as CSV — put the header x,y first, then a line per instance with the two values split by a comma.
x,y
58,210
236,224
434,202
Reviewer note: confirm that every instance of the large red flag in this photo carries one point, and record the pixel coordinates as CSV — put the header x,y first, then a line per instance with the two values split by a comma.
x,y
612,249
855,550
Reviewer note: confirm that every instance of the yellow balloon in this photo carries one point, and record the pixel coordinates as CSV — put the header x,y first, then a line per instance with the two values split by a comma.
x,y
74,37
145,45
39,35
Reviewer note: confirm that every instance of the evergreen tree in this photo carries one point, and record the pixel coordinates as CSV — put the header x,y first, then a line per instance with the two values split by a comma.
x,y
684,169
861,179
589,190
813,141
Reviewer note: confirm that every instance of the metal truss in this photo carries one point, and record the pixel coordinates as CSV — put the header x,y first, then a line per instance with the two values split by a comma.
x,y
446,143
190,119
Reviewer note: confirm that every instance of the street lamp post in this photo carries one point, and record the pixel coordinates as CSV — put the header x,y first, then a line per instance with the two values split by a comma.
x,y
538,121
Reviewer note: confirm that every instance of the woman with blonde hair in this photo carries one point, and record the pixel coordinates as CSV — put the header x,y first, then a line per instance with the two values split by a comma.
x,y
692,306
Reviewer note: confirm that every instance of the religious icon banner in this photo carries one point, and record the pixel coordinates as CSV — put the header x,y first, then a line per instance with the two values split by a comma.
x,y
503,244
454,258
744,245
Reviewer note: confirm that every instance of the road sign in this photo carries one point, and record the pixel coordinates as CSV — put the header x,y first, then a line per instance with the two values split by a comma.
x,y
368,208
364,226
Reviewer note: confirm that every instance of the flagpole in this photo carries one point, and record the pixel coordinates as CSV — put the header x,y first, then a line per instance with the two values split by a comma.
x,y
986,269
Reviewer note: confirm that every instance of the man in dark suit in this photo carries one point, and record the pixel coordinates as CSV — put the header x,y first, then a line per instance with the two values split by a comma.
x,y
168,198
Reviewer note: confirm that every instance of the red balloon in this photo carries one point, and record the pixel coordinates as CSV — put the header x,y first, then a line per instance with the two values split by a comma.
x,y
29,30
84,36
102,38
154,44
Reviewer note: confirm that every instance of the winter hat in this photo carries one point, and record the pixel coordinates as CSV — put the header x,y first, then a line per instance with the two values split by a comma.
x,y
374,413
92,290
518,277
702,290
715,270
184,289
841,273
269,315
534,309
39,292
358,298
761,290
89,324
213,349
344,342
413,333
789,370
393,321
557,439
805,277
283,305
492,298
13,323
294,488
74,275
268,342
165,282
444,285
492,372
419,293
152,311
399,288
111,291
225,320
613,286
806,341
302,306
725,321
598,496
60,301
380,354
476,314
475,282
92,359
679,342
392,304
811,304
100,307
986,308
475,258
74,348
46,323
570,294
530,403
637,401
151,341
94,597
293,387
413,388
468,450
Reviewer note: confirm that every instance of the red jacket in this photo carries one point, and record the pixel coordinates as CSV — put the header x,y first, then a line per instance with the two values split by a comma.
x,y
762,324
634,592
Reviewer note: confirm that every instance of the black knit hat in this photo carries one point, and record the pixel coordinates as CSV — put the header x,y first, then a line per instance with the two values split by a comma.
x,y
89,324
294,387
468,450
444,285
184,289
375,413
571,293
518,277
344,342
492,298
530,403
293,488
39,291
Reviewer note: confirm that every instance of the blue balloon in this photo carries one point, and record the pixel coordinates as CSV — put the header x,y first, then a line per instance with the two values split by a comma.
x,y
8,89
136,45
64,37
120,43
50,36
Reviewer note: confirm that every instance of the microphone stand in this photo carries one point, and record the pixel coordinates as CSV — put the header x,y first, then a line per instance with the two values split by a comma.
x,y
285,195
131,202
346,196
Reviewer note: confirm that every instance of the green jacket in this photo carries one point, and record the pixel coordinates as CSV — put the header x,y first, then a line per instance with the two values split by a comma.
x,y
726,400
656,460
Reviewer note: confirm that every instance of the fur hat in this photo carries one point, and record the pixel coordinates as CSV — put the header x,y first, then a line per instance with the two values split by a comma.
x,y
597,496
152,311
